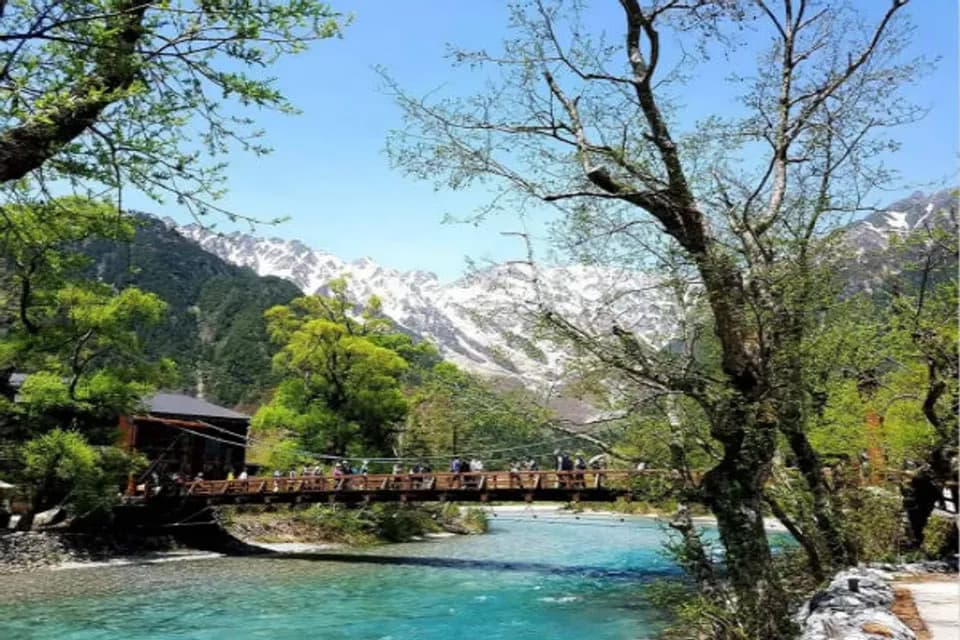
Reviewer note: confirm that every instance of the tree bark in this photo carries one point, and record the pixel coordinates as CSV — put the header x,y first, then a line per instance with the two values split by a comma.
x,y
734,491
28,145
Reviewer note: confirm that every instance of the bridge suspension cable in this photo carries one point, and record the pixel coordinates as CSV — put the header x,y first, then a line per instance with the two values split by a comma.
x,y
541,446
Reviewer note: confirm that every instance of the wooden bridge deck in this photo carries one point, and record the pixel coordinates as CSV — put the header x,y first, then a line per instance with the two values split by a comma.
x,y
556,486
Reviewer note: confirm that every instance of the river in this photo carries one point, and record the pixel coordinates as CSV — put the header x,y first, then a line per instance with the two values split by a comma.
x,y
553,576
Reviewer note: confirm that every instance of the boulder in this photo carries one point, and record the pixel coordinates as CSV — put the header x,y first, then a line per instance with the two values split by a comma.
x,y
854,606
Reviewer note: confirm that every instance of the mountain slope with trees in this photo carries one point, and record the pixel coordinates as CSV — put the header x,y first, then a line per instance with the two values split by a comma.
x,y
214,328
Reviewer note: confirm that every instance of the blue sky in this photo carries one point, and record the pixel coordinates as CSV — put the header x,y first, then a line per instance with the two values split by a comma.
x,y
330,174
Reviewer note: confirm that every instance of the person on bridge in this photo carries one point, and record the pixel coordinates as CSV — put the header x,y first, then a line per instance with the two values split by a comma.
x,y
580,466
564,464
515,474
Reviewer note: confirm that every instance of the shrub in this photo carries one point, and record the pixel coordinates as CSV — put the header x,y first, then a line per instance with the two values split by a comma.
x,y
938,535
693,615
475,520
66,469
874,518
396,523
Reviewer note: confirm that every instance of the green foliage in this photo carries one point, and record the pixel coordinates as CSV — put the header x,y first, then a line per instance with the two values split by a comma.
x,y
66,469
475,520
341,389
455,412
692,614
368,525
76,337
215,330
59,456
905,434
149,96
350,526
875,518
938,534
397,522
654,488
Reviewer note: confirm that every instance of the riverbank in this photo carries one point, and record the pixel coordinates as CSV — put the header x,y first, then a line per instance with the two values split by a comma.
x,y
641,510
32,550
284,530
306,530
332,527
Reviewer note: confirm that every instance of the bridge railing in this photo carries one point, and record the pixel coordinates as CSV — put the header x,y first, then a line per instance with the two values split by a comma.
x,y
423,482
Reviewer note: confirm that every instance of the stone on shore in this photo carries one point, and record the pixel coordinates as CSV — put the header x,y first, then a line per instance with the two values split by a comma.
x,y
863,613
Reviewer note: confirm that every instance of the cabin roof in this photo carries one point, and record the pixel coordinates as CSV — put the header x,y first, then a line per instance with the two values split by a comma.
x,y
179,404
166,403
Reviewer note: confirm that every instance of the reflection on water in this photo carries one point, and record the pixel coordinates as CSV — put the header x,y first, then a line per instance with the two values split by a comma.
x,y
526,579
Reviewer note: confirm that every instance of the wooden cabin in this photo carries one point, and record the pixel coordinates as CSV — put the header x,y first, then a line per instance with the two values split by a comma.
x,y
181,434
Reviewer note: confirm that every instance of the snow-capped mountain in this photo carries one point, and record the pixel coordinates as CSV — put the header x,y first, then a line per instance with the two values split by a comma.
x,y
870,238
481,322
873,233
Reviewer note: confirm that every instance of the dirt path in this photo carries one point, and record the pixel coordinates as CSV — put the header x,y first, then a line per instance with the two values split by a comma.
x,y
937,600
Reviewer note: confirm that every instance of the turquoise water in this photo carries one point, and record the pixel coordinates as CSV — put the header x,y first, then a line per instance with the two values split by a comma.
x,y
550,577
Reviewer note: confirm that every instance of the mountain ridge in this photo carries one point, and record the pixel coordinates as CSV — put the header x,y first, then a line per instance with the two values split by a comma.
x,y
479,321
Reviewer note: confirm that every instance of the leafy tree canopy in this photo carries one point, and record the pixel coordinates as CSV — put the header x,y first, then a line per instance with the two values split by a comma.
x,y
104,93
342,390
75,337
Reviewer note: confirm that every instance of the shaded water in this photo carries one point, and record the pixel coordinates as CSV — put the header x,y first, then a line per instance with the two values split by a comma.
x,y
551,577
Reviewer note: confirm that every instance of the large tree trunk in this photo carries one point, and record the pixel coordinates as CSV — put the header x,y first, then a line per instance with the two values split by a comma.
x,y
737,502
734,492
924,491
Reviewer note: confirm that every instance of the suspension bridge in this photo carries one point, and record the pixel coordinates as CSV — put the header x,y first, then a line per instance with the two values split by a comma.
x,y
473,486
